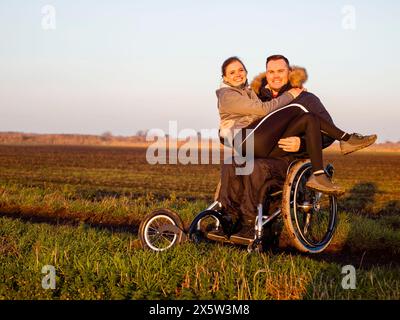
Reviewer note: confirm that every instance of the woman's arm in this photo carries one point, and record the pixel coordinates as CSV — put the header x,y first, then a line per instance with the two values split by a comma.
x,y
234,102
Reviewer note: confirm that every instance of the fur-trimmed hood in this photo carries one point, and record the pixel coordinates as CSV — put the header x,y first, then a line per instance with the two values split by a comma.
x,y
297,77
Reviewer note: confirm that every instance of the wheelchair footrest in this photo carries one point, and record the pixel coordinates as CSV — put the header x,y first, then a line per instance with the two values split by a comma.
x,y
234,239
240,240
217,236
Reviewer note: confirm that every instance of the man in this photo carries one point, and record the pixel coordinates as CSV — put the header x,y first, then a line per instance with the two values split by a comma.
x,y
275,82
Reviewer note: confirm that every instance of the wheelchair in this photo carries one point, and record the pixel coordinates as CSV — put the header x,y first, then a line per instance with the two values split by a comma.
x,y
309,218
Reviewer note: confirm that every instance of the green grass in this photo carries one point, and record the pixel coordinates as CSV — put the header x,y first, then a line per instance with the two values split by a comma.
x,y
78,209
100,264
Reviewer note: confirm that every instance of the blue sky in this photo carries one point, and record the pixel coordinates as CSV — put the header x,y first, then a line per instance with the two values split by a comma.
x,y
121,66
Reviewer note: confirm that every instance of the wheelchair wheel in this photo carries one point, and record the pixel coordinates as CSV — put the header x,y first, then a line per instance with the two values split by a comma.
x,y
310,217
160,230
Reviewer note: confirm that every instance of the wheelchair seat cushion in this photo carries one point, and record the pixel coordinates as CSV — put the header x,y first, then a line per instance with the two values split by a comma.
x,y
240,195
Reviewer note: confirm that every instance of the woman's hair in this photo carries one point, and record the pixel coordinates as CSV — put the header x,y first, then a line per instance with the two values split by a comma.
x,y
228,61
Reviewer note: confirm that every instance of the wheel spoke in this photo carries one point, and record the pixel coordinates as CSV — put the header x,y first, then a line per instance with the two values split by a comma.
x,y
307,223
167,237
156,235
152,230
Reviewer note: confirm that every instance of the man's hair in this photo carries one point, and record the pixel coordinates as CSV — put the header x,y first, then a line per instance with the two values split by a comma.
x,y
278,57
228,61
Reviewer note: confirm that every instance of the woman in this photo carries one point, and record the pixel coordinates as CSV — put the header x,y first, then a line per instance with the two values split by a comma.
x,y
267,122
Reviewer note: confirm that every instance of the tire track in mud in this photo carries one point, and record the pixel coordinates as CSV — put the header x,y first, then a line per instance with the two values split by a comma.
x,y
63,217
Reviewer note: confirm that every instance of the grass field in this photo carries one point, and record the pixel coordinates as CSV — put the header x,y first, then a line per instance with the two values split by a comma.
x,y
78,209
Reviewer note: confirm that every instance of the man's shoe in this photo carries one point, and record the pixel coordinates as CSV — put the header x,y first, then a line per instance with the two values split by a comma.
x,y
323,184
356,142
245,235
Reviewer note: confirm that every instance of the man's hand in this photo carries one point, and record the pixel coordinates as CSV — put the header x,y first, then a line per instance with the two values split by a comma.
x,y
291,144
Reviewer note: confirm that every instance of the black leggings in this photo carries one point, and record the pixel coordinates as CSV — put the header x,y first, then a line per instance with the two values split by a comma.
x,y
287,122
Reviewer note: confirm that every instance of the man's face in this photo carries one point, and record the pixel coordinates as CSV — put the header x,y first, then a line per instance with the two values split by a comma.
x,y
277,74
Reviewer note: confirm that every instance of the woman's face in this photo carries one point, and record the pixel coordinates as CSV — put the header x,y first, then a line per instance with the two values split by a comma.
x,y
235,74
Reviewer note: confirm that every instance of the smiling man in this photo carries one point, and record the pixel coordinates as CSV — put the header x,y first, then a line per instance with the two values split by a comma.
x,y
280,77
277,79
276,82
277,74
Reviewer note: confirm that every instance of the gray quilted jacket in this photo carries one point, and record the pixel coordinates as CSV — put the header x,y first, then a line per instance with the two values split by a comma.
x,y
240,107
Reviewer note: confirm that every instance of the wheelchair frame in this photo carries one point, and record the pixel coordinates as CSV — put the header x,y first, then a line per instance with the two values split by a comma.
x,y
293,200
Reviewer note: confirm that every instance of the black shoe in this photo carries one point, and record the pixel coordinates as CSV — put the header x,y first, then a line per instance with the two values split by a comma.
x,y
245,235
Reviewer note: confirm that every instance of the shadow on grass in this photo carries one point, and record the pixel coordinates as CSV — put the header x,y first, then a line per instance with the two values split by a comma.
x,y
62,217
360,199
391,208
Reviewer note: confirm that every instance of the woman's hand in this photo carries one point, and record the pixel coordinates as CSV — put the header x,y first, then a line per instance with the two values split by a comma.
x,y
295,92
291,144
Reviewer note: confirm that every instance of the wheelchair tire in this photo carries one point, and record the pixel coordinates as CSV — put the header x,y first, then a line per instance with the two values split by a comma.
x,y
161,230
310,217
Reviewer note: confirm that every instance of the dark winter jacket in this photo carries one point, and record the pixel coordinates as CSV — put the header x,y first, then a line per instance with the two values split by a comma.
x,y
311,102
